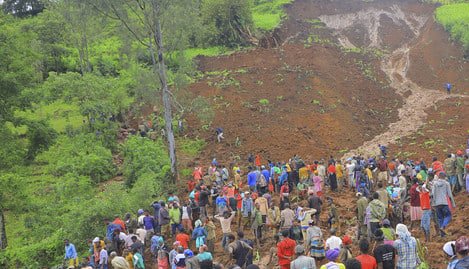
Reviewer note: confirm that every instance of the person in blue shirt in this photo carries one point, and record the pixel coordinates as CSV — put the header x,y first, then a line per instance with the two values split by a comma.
x,y
110,227
252,179
448,87
266,174
383,149
71,254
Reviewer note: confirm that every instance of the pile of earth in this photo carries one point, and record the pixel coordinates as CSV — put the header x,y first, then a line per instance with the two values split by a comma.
x,y
338,77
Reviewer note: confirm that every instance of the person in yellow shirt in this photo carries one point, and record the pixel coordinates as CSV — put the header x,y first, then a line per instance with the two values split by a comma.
x,y
237,179
303,173
128,257
339,171
369,173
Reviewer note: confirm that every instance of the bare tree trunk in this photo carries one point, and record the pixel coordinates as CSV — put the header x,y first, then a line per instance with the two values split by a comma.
x,y
3,234
160,67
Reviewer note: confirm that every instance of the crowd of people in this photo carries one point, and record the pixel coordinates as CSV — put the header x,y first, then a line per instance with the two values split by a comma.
x,y
235,211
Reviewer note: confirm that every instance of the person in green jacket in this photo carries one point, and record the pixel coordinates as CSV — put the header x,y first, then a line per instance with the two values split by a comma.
x,y
460,170
378,213
138,260
175,219
257,223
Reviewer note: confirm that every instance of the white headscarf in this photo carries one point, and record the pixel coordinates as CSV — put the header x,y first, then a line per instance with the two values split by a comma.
x,y
403,232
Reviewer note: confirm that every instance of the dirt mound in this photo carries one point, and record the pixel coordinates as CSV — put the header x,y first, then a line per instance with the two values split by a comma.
x,y
340,77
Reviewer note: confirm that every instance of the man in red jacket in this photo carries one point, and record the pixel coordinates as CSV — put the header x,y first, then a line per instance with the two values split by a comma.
x,y
285,250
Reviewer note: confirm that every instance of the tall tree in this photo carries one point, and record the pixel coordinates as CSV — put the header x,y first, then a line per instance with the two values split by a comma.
x,y
142,19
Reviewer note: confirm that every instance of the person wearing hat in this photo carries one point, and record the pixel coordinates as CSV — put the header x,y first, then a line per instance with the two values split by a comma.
x,y
388,232
96,244
332,255
406,248
449,249
192,262
384,254
462,252
314,241
440,192
345,252
302,261
285,250
362,203
367,261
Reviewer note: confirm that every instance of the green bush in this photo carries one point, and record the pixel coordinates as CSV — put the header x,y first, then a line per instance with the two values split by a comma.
x,y
267,14
191,147
12,151
143,156
227,21
40,136
455,19
83,154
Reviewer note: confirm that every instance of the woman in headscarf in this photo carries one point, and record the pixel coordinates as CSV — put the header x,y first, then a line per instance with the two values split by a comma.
x,y
332,255
406,248
199,234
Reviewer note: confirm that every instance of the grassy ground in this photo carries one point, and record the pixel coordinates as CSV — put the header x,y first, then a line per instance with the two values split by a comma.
x,y
455,19
268,14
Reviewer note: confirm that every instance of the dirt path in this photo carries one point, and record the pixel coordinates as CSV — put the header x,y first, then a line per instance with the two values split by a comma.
x,y
395,65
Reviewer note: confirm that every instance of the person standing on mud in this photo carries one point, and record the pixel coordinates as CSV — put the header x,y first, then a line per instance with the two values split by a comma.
x,y
383,170
285,250
331,171
340,172
448,87
219,133
378,213
362,203
441,192
315,202
322,172
424,194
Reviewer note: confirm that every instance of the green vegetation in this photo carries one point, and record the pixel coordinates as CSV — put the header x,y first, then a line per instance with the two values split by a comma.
x,y
264,102
71,77
191,147
267,14
455,19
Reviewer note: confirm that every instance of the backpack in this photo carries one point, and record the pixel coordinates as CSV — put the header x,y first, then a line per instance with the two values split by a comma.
x,y
262,181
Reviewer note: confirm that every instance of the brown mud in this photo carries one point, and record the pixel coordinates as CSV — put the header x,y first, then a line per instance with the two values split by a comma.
x,y
338,78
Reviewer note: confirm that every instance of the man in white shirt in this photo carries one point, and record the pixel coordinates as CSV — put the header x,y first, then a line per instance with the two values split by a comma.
x,y
333,241
141,233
